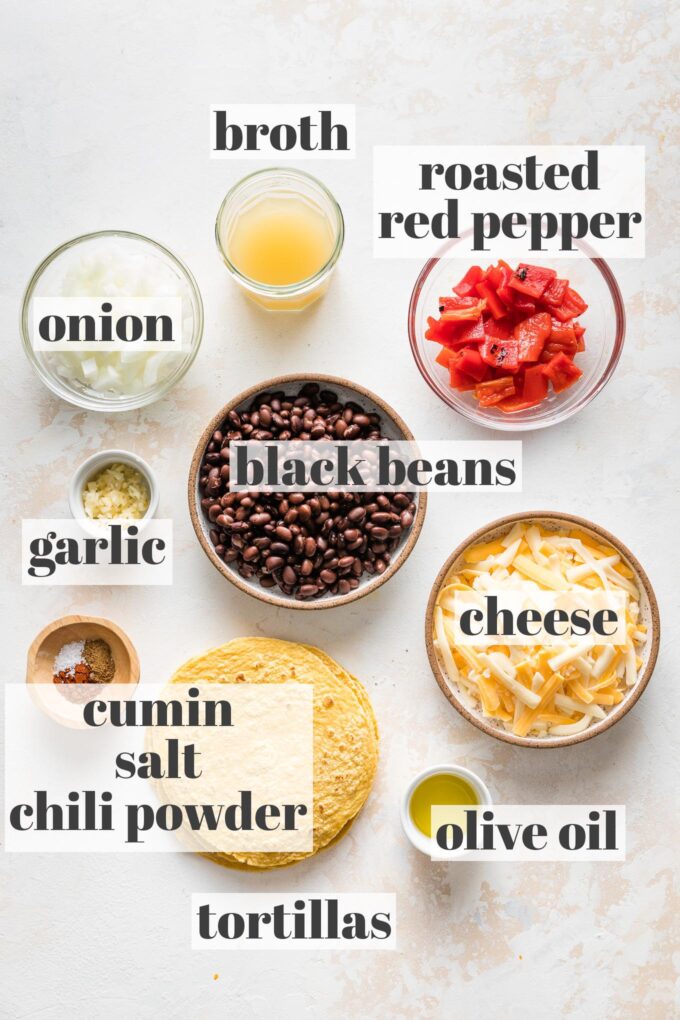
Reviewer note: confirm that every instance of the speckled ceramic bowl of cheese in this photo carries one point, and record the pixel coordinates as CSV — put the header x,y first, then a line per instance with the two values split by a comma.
x,y
649,616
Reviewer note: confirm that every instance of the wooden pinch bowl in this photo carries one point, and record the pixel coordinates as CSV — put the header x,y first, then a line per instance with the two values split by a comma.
x,y
45,647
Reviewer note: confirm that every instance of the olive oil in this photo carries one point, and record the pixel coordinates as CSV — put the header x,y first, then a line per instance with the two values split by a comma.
x,y
439,789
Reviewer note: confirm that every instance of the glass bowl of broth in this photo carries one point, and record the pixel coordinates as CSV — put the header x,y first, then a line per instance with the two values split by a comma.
x,y
280,232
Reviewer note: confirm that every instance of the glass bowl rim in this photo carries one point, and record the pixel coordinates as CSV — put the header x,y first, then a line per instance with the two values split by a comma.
x,y
109,404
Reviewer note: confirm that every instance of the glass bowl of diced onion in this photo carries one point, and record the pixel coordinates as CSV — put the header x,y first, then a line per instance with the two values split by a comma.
x,y
110,263
536,696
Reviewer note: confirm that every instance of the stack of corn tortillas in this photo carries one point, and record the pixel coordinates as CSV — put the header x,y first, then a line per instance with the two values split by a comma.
x,y
345,740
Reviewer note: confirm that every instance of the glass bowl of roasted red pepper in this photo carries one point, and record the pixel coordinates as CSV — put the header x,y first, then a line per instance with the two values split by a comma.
x,y
516,346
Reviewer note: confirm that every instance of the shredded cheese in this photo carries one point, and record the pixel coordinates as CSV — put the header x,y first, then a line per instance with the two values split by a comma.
x,y
532,690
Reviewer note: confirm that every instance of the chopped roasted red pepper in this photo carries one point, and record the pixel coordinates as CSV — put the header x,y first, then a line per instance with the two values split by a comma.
x,y
507,334
497,329
532,389
466,309
459,380
503,286
495,306
503,354
522,306
466,287
562,338
495,390
470,362
454,304
472,333
562,372
555,291
531,334
442,332
535,386
444,357
531,280
572,305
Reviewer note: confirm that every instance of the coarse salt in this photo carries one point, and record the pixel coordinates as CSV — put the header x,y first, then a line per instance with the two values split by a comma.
x,y
68,657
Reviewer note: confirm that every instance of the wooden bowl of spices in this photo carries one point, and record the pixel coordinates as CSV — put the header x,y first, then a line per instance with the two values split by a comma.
x,y
71,657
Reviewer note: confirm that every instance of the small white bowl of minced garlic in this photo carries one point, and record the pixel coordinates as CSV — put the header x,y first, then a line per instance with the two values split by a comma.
x,y
113,485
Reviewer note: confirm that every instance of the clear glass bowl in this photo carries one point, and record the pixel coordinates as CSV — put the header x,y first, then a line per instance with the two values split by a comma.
x,y
605,324
280,183
46,281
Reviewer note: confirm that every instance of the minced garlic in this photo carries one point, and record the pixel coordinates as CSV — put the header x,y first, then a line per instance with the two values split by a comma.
x,y
117,491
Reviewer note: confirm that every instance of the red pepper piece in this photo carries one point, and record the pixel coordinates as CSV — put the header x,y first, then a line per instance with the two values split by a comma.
x,y
470,362
522,306
442,332
466,309
531,334
555,291
495,390
562,372
444,357
454,304
535,387
466,287
459,380
531,280
497,329
495,306
506,295
532,391
517,403
572,305
472,333
503,354
562,338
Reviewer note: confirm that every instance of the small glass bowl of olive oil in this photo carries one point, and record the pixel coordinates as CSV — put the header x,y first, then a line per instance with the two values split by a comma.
x,y
441,784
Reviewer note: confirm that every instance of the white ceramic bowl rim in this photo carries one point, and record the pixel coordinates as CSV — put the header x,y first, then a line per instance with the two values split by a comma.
x,y
419,840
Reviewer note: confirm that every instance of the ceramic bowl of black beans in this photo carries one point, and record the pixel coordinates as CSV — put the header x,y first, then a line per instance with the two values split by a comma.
x,y
302,550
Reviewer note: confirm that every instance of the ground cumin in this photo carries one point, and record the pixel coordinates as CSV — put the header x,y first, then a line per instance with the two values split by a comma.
x,y
97,655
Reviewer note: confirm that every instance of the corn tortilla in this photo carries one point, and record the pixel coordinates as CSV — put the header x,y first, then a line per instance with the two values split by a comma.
x,y
345,731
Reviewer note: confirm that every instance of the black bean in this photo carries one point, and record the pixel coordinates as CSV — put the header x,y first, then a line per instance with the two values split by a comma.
x,y
289,576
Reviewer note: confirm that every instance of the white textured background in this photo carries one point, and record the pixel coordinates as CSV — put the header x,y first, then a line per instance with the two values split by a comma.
x,y
104,124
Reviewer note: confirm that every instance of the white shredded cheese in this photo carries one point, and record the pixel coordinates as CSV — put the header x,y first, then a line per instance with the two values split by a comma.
x,y
526,689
